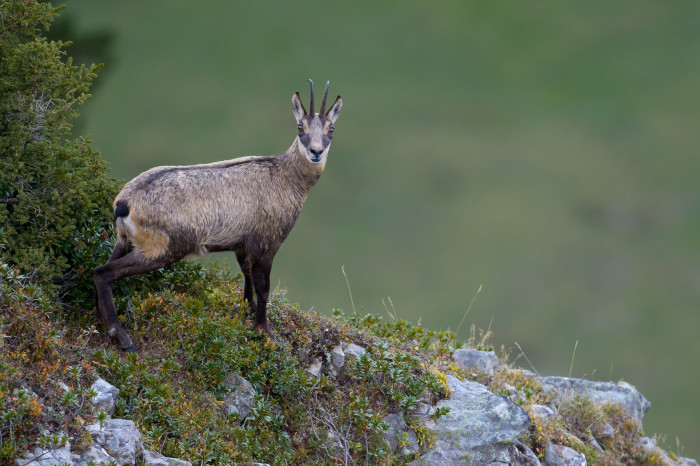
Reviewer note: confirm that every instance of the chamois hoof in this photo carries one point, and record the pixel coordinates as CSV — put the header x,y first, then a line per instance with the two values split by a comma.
x,y
131,349
265,330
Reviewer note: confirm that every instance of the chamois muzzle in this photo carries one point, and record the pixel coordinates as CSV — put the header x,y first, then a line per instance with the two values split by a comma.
x,y
316,155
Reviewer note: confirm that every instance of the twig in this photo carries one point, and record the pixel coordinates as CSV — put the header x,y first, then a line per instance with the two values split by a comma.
x,y
525,356
342,267
571,367
468,309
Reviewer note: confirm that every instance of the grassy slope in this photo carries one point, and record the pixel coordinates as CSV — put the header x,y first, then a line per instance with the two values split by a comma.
x,y
547,152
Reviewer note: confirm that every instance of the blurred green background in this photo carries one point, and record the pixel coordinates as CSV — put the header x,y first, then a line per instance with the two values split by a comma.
x,y
547,151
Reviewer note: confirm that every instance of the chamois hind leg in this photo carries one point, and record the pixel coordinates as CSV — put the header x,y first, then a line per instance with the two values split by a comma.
x,y
261,282
246,267
132,263
120,249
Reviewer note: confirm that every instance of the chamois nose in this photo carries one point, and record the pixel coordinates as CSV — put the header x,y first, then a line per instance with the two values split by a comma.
x,y
317,153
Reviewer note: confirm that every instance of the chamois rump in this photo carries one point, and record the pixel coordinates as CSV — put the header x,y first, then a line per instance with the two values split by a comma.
x,y
246,205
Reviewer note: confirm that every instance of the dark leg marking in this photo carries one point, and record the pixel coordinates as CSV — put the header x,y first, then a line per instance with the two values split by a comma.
x,y
261,282
246,267
131,263
119,251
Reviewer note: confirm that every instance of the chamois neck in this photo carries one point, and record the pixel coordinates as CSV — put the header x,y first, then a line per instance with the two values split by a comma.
x,y
299,167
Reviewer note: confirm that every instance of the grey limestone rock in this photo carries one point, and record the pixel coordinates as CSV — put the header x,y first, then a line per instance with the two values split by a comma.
x,y
521,371
315,368
521,455
41,457
242,397
542,412
337,359
152,458
619,393
482,361
340,354
559,455
119,437
397,426
479,429
607,431
351,349
649,446
107,395
117,440
95,453
591,440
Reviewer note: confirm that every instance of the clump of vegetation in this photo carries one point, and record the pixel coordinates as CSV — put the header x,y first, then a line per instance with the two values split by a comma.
x,y
52,189
44,379
192,342
173,390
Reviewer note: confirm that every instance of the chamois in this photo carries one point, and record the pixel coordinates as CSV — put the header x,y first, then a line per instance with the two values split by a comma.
x,y
247,205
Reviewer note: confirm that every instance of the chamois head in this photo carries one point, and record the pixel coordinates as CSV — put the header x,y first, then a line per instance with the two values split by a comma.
x,y
315,129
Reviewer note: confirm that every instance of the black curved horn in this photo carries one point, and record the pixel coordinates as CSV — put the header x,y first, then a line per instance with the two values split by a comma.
x,y
311,105
323,103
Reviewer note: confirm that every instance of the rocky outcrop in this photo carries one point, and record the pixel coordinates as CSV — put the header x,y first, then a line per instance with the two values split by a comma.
x,y
116,440
482,428
618,393
475,360
479,429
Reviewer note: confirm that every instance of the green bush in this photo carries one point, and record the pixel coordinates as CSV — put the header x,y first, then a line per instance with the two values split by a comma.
x,y
53,189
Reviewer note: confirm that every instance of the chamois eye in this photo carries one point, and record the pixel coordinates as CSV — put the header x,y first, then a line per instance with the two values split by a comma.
x,y
300,127
330,129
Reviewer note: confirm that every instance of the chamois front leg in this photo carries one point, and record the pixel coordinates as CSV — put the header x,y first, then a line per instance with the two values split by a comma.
x,y
247,269
261,281
132,263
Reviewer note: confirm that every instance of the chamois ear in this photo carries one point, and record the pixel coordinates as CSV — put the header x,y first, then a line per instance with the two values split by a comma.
x,y
298,107
334,111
